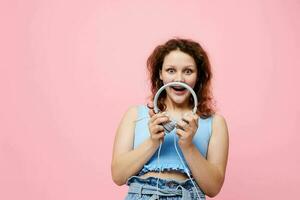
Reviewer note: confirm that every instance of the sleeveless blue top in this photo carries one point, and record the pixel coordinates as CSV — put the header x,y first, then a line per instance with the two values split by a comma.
x,y
168,158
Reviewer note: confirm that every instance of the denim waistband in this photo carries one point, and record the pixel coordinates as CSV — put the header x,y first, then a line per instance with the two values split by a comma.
x,y
166,187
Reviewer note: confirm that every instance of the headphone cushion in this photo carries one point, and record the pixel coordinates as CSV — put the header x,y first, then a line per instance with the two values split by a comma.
x,y
169,126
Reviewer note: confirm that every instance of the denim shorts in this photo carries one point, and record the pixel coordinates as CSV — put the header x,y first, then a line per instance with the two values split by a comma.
x,y
169,189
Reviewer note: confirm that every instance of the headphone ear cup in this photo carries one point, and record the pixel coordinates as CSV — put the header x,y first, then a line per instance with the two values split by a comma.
x,y
169,126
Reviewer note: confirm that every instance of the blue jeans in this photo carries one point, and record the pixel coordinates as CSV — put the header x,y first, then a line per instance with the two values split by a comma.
x,y
169,189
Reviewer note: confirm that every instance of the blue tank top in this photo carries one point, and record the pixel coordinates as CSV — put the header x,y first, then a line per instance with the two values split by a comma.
x,y
168,158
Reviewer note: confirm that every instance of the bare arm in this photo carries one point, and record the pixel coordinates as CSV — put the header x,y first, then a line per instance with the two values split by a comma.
x,y
210,173
127,161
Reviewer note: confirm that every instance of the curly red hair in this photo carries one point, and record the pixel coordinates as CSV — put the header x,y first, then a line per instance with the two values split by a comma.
x,y
206,103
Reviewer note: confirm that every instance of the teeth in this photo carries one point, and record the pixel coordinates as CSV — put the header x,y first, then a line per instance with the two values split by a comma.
x,y
178,87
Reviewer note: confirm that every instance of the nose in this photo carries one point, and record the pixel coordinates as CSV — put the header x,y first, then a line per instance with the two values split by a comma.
x,y
179,77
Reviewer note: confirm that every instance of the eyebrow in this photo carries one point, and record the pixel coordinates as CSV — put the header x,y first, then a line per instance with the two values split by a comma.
x,y
183,67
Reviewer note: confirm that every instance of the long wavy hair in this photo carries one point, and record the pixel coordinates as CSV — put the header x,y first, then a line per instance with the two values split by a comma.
x,y
206,102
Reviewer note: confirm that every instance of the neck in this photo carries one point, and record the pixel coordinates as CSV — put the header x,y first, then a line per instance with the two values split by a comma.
x,y
174,107
176,111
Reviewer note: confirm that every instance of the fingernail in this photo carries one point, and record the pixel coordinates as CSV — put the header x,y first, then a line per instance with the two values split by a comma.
x,y
148,105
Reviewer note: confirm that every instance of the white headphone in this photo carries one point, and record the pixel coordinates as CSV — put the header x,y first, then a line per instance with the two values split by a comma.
x,y
169,126
172,124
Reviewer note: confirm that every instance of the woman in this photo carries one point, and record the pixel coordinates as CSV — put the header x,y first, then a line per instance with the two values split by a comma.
x,y
149,160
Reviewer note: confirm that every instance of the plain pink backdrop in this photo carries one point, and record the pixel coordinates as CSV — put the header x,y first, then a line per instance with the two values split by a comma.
x,y
70,69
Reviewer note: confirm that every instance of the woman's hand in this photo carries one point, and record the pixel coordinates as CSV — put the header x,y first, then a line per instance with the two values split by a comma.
x,y
155,124
186,129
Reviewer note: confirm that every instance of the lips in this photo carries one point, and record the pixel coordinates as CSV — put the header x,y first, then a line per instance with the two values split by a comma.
x,y
178,88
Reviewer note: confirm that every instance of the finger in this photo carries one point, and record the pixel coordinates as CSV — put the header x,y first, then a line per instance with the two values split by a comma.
x,y
158,128
150,105
190,119
151,112
155,116
181,124
180,133
159,135
188,114
194,115
161,120
196,118
185,120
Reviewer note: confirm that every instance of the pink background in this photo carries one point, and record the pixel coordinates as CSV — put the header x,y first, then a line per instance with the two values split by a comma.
x,y
70,69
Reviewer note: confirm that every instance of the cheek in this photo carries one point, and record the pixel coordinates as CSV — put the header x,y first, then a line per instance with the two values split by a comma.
x,y
167,79
192,80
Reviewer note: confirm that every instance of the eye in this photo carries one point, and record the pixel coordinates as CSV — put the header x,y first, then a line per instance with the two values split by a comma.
x,y
188,71
170,70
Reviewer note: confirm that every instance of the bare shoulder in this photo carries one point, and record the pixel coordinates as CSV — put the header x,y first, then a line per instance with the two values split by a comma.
x,y
127,122
219,124
125,132
219,118
130,114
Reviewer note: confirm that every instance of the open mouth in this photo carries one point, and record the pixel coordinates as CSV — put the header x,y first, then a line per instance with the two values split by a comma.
x,y
178,88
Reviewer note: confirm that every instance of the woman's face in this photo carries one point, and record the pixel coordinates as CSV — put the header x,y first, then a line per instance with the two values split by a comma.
x,y
178,66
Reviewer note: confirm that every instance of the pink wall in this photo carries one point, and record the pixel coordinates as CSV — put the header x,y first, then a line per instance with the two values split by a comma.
x,y
69,70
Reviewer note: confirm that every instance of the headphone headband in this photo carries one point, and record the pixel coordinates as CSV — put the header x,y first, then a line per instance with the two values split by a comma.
x,y
175,84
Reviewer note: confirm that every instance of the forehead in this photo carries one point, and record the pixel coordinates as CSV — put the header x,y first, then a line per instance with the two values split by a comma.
x,y
178,58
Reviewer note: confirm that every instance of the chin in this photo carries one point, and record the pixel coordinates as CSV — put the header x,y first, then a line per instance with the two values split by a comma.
x,y
179,100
